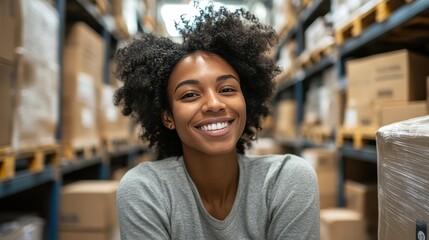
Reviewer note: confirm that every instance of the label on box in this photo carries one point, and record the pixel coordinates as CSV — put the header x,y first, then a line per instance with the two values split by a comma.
x,y
85,88
421,230
110,109
87,118
350,119
111,114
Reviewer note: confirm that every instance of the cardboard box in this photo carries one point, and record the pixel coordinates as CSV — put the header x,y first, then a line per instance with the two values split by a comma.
x,y
324,162
84,52
400,76
80,110
383,113
286,119
362,198
6,80
89,206
9,13
360,115
328,200
119,173
402,150
111,123
35,114
393,76
124,11
265,146
360,86
35,59
322,159
113,80
340,224
38,17
88,235
401,111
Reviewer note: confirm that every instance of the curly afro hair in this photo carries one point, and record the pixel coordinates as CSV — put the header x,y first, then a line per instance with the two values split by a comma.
x,y
145,64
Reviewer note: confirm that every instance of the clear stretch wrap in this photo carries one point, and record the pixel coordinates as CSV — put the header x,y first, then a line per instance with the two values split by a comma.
x,y
403,179
35,93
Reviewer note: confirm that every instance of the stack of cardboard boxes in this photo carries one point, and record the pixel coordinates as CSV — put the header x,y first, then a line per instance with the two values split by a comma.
x,y
89,116
29,69
285,123
324,104
88,211
285,16
325,163
386,88
7,57
358,220
83,73
344,11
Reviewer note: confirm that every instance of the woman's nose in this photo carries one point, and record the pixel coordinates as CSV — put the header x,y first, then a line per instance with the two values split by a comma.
x,y
213,103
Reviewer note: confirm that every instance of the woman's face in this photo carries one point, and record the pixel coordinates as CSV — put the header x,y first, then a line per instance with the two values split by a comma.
x,y
208,107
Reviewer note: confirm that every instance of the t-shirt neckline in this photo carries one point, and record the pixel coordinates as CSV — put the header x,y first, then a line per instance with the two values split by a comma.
x,y
219,224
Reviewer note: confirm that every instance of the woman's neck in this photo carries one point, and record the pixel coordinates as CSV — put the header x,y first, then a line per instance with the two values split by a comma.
x,y
216,179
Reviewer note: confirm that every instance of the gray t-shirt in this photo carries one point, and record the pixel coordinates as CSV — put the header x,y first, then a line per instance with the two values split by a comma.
x,y
277,198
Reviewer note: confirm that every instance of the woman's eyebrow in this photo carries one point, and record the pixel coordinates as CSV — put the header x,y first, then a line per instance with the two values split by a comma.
x,y
225,77
186,82
196,82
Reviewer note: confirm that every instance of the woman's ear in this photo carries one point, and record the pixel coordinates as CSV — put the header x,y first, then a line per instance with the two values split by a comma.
x,y
167,120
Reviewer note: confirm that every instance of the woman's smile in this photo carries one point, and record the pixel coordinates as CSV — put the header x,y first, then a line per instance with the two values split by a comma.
x,y
216,129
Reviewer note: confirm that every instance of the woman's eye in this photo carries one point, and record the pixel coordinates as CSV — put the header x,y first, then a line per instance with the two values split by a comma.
x,y
189,95
227,90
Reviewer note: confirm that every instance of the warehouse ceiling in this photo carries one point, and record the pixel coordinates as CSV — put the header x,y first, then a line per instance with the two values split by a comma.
x,y
171,10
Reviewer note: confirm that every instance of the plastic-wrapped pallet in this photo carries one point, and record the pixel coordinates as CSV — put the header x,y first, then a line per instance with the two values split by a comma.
x,y
403,181
285,115
111,123
83,74
21,228
35,113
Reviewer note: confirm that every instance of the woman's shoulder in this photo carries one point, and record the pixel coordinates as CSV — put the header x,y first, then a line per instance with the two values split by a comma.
x,y
287,161
152,172
280,167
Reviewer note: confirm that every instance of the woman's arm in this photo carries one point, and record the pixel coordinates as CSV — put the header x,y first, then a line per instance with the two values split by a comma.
x,y
294,206
142,209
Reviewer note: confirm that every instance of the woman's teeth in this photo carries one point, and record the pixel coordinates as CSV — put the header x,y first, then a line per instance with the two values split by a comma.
x,y
214,126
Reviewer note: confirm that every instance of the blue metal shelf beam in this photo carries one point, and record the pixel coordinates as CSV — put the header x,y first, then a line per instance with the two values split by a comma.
x,y
79,164
367,153
26,180
374,32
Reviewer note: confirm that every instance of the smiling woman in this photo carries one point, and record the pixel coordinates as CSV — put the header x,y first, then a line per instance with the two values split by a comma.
x,y
200,104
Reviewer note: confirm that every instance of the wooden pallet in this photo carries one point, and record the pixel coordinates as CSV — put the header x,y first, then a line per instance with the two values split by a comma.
x,y
37,158
366,16
102,6
307,60
307,3
287,26
286,75
7,163
358,135
71,153
316,134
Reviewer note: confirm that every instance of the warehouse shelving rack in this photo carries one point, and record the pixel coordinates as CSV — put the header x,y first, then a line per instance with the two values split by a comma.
x,y
39,193
372,41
